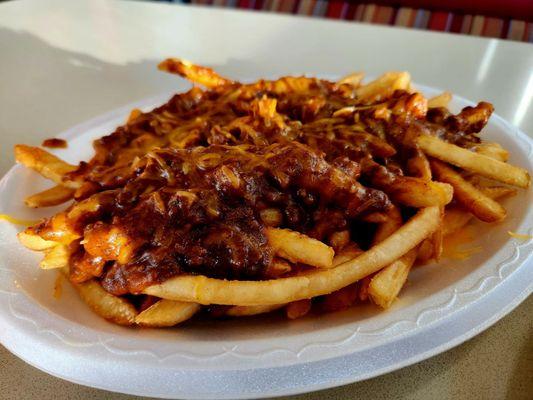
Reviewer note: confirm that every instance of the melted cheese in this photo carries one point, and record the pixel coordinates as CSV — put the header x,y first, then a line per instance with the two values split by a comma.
x,y
456,246
519,236
17,221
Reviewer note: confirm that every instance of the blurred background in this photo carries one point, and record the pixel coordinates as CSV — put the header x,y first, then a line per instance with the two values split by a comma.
x,y
509,19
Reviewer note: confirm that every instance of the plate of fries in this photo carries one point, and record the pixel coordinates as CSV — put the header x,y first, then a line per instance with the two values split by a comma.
x,y
266,238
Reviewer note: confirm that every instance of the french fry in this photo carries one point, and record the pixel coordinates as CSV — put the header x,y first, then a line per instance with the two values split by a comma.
x,y
298,309
497,192
297,247
349,252
426,250
457,217
442,100
353,79
387,283
379,146
436,241
338,240
50,197
391,225
166,313
134,114
474,162
340,299
384,86
385,230
492,150
46,164
246,311
277,267
57,229
195,73
34,242
467,195
56,257
416,192
311,284
363,287
419,166
106,305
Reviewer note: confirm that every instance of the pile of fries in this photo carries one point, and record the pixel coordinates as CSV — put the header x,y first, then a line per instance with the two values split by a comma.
x,y
331,191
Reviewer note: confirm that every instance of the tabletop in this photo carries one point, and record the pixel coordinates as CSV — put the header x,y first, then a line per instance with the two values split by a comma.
x,y
64,62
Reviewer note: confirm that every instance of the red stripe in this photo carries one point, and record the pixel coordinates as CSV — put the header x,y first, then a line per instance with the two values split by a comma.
x,y
505,29
493,27
437,21
393,15
525,38
351,10
457,22
243,4
334,9
382,15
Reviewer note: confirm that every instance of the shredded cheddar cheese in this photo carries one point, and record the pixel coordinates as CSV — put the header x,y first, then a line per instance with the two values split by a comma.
x,y
520,236
16,221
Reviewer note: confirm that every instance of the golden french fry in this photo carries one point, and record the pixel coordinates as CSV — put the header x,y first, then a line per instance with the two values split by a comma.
x,y
166,313
384,86
391,225
416,192
277,267
483,207
338,240
57,229
298,309
353,79
456,217
387,283
442,100
106,305
497,192
492,150
50,197
134,114
245,311
363,287
297,247
474,162
46,164
195,73
56,257
349,252
340,299
34,242
204,290
419,167
436,241
384,231
426,251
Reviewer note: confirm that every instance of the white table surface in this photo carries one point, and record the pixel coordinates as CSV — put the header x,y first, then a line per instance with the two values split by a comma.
x,y
63,62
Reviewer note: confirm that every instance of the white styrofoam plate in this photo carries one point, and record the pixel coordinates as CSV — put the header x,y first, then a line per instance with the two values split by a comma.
x,y
441,306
